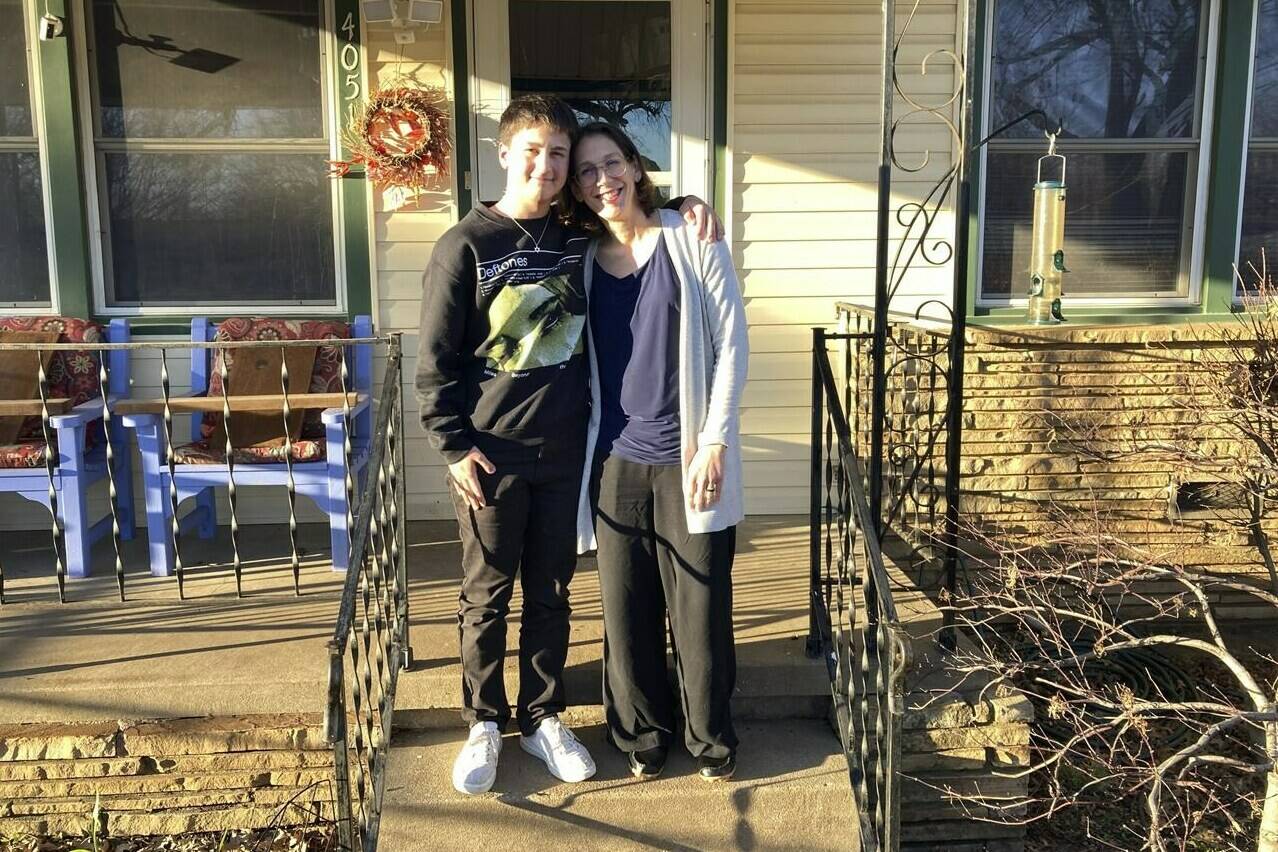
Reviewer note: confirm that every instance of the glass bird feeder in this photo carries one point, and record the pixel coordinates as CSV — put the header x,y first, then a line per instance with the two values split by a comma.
x,y
1047,244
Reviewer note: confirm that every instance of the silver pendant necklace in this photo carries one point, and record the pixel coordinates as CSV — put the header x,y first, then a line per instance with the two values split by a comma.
x,y
537,242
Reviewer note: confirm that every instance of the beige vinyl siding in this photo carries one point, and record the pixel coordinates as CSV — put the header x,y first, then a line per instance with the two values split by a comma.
x,y
804,140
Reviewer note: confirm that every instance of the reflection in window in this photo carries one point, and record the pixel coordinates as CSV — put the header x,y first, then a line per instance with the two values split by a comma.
x,y
1124,222
199,69
1122,80
211,137
207,229
15,92
609,61
24,274
1104,70
1258,246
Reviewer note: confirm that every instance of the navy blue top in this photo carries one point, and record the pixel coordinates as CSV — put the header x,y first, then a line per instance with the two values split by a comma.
x,y
634,322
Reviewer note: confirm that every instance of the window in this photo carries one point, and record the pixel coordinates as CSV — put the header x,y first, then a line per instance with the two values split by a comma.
x,y
1259,238
1125,81
642,66
209,134
621,74
24,274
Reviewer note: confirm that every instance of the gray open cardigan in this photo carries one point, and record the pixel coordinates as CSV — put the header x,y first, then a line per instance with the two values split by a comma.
x,y
713,350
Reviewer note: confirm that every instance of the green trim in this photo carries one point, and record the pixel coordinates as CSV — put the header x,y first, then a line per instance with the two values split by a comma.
x,y
461,104
719,100
1228,153
976,181
354,189
67,228
1079,315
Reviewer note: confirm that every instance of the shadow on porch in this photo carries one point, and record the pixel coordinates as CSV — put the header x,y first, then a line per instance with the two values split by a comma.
x,y
155,656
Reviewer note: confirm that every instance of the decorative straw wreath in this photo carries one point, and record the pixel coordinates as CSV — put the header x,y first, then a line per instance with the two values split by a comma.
x,y
400,137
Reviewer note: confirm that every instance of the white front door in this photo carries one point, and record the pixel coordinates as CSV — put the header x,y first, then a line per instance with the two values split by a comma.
x,y
640,64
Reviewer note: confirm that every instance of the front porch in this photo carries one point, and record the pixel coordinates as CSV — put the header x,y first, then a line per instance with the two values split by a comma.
x,y
240,684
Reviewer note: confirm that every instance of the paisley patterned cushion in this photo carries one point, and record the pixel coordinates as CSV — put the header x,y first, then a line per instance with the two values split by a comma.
x,y
29,454
200,452
326,376
72,374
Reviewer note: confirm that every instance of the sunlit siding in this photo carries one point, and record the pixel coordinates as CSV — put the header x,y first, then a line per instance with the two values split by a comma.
x,y
804,138
406,230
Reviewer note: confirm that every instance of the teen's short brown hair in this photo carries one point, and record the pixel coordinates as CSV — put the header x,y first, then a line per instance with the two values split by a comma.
x,y
536,111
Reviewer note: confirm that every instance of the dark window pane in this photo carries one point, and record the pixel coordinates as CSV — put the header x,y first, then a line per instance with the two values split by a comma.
x,y
1260,216
610,61
1264,111
15,95
210,229
1123,223
24,274
205,69
1104,69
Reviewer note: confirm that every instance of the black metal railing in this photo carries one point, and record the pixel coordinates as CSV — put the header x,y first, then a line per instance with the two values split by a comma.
x,y
370,643
907,478
855,626
83,441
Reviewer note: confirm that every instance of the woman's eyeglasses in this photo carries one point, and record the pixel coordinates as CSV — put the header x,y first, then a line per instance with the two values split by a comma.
x,y
613,167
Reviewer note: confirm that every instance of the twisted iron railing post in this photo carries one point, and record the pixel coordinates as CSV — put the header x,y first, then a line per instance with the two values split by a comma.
x,y
813,646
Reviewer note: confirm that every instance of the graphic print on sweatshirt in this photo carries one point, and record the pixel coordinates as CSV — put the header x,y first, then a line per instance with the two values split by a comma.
x,y
538,313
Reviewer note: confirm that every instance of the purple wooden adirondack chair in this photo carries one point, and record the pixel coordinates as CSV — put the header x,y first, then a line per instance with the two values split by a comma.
x,y
319,460
78,435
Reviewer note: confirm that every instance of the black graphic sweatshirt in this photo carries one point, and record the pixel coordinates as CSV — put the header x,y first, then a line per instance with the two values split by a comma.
x,y
501,361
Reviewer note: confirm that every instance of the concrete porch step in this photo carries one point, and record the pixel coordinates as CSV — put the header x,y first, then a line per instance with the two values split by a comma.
x,y
791,792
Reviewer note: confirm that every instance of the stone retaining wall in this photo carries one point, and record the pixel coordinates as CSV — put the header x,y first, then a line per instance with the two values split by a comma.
x,y
958,748
1124,383
164,777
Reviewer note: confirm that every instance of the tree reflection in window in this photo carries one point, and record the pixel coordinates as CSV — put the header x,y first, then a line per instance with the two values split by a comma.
x,y
610,61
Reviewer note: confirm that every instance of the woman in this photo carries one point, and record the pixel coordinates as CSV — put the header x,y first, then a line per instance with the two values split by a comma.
x,y
668,348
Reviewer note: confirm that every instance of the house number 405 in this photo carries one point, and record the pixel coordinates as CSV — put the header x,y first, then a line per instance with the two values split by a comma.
x,y
349,59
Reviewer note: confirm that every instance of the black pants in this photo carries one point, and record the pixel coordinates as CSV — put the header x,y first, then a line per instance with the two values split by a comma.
x,y
650,564
527,527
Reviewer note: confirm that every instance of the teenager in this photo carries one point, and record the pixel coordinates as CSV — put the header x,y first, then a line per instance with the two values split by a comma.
x,y
502,386
667,353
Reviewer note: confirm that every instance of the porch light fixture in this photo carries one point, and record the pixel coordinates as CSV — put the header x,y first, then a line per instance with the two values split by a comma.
x,y
1047,244
49,27
425,11
378,11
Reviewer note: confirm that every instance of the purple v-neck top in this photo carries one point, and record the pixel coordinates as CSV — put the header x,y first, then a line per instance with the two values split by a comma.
x,y
635,327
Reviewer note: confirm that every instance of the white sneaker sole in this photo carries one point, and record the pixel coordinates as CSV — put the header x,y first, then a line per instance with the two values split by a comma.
x,y
550,766
461,787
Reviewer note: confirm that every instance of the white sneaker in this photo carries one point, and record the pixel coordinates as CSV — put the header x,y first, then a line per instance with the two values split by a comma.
x,y
475,768
565,756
